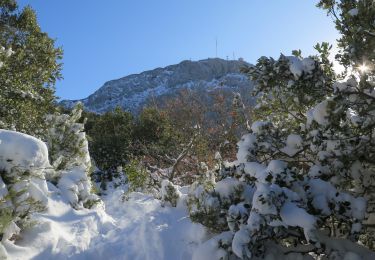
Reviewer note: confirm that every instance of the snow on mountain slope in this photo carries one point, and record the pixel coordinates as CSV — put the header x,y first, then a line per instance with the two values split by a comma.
x,y
138,228
133,91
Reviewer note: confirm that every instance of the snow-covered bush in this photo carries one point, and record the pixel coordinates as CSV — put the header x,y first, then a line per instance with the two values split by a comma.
x,y
278,202
209,203
23,189
309,161
25,169
169,193
69,155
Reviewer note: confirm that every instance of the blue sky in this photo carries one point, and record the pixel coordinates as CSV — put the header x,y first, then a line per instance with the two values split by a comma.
x,y
105,40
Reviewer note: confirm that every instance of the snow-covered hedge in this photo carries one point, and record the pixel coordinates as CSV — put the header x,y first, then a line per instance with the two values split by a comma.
x,y
70,157
275,202
23,188
25,170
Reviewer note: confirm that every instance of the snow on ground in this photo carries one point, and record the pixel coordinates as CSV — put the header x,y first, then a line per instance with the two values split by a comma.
x,y
137,228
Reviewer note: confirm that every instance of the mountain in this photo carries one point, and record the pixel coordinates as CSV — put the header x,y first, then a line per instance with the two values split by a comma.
x,y
134,91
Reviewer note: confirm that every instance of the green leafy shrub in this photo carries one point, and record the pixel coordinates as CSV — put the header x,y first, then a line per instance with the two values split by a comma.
x,y
110,138
137,175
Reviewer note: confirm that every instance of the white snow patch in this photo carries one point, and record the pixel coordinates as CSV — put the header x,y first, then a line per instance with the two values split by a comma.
x,y
294,216
240,243
22,151
244,145
293,145
320,113
227,187
298,67
211,250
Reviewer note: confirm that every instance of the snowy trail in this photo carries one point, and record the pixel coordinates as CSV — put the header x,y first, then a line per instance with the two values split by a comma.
x,y
137,229
145,230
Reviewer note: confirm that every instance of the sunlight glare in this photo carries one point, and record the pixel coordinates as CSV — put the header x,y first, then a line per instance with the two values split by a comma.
x,y
363,68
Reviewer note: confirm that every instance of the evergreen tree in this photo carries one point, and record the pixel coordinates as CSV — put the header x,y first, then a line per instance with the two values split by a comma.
x,y
154,134
29,67
111,139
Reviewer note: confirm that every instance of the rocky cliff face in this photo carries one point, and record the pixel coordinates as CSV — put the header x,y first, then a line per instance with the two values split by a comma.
x,y
132,92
